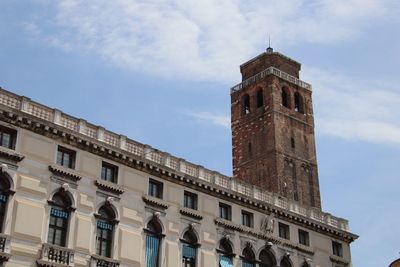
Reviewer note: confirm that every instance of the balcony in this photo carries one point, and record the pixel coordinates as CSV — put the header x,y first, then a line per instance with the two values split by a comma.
x,y
4,248
55,256
99,261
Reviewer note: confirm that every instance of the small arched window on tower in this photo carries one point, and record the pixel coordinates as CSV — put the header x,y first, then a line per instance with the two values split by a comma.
x,y
260,98
285,97
59,216
226,253
105,230
189,248
246,104
298,103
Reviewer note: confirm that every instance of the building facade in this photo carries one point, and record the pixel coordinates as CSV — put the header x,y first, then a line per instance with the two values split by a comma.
x,y
76,194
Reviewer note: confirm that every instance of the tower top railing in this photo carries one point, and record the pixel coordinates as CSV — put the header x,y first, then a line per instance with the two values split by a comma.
x,y
271,71
163,159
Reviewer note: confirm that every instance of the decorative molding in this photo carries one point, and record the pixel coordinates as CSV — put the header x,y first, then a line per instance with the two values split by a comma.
x,y
191,213
65,172
152,201
339,260
109,187
10,154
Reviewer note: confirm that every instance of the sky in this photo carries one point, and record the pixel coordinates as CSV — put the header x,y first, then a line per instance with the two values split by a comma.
x,y
160,72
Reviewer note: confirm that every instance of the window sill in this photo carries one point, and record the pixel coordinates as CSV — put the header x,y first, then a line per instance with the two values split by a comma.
x,y
339,260
155,202
109,187
191,213
65,172
10,154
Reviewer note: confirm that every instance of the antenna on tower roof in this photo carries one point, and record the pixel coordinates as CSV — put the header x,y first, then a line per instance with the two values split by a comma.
x,y
269,49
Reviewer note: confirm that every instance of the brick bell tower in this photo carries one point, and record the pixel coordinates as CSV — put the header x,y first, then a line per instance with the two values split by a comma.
x,y
273,141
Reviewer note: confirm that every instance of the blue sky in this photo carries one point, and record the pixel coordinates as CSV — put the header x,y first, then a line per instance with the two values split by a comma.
x,y
160,73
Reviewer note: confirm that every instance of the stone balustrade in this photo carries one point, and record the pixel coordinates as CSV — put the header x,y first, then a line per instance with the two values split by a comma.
x,y
147,153
271,71
52,255
99,261
4,248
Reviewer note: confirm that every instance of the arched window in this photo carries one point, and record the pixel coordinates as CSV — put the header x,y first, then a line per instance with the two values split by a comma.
x,y
298,102
59,214
305,264
105,230
153,238
5,187
260,98
226,253
285,262
248,257
267,259
189,248
246,104
285,97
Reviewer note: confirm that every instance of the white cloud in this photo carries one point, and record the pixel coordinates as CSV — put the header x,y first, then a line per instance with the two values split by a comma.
x,y
354,108
201,39
218,119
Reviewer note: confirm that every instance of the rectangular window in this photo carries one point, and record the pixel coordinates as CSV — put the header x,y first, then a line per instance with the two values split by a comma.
x,y
225,211
155,189
190,200
109,172
7,137
304,237
247,219
284,231
66,157
337,249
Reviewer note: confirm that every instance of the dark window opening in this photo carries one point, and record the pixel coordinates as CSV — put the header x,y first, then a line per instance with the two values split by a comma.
x,y
292,143
190,200
267,259
247,219
225,211
337,249
109,172
7,137
284,231
66,157
155,189
298,103
285,262
260,98
248,257
5,187
285,97
104,235
304,237
246,104
249,148
59,215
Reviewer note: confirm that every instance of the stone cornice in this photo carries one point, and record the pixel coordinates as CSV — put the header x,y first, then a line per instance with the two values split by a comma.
x,y
191,213
152,201
217,184
65,172
10,154
109,187
339,260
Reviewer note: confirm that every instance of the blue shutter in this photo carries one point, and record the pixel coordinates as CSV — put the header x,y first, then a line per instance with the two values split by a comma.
x,y
247,264
188,252
224,261
3,197
152,245
104,225
59,213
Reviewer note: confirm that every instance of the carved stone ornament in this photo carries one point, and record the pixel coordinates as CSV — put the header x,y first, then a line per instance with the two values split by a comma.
x,y
267,224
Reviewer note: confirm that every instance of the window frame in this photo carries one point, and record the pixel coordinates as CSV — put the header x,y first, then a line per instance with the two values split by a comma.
x,y
228,211
70,152
12,137
284,230
337,248
250,216
304,237
105,167
186,196
159,192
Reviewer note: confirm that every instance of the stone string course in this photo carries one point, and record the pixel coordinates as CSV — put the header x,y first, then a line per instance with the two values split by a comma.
x,y
80,126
